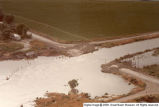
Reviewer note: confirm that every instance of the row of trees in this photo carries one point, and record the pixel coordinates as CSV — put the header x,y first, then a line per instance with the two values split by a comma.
x,y
8,27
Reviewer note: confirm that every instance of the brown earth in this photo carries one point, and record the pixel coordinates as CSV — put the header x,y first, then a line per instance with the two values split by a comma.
x,y
112,43
151,70
151,83
77,100
62,100
147,98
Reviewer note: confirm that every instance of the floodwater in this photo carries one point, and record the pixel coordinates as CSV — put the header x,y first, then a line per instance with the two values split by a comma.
x,y
144,59
31,79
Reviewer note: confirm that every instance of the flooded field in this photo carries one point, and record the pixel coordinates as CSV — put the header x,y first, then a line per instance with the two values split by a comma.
x,y
29,79
83,20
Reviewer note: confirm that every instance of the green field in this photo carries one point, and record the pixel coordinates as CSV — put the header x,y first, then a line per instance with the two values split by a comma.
x,y
84,20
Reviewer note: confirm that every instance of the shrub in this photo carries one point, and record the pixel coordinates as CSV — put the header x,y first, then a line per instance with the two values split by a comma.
x,y
73,83
9,19
156,52
21,29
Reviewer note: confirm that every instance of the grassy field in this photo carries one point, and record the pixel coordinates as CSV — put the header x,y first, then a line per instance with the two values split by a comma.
x,y
84,20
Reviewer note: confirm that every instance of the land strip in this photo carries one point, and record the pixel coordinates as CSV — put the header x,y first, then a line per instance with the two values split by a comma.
x,y
152,85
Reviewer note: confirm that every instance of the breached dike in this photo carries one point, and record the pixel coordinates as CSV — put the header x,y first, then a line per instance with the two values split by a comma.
x,y
29,79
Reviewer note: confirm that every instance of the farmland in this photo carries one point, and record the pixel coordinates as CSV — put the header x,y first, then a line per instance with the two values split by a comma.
x,y
55,58
76,21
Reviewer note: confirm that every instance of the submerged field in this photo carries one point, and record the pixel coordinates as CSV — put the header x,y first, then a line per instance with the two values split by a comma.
x,y
74,21
29,79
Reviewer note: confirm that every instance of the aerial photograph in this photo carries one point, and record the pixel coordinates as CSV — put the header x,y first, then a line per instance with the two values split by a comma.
x,y
74,53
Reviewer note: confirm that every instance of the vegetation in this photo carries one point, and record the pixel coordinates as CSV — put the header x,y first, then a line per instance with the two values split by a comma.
x,y
156,52
22,29
73,83
10,47
8,28
147,98
62,100
73,20
152,70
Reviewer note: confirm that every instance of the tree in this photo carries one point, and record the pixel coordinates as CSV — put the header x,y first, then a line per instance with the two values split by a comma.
x,y
21,29
9,19
1,15
73,83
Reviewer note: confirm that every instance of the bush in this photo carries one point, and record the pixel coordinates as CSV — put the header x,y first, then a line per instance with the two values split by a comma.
x,y
21,29
9,19
73,83
156,52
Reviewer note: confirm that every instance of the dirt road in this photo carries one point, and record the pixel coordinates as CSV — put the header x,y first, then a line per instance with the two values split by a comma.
x,y
126,38
152,85
35,36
